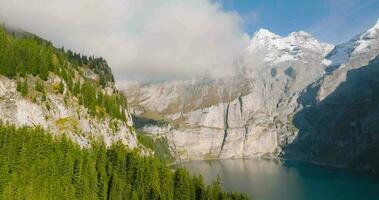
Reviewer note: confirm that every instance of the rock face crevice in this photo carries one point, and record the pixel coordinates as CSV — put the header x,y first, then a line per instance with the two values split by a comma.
x,y
241,104
226,127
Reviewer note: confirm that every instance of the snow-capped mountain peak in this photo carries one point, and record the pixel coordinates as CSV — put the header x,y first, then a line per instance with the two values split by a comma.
x,y
262,39
365,43
264,33
278,49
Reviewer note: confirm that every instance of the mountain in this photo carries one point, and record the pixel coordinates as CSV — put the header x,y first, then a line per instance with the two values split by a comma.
x,y
242,116
338,125
60,91
277,49
263,110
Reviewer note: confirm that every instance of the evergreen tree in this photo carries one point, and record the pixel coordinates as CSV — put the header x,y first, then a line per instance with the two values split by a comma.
x,y
22,87
61,87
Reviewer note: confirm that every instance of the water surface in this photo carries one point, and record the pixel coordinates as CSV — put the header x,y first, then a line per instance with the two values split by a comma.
x,y
286,180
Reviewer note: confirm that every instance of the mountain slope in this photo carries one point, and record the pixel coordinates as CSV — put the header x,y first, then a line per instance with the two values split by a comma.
x,y
61,91
338,124
342,129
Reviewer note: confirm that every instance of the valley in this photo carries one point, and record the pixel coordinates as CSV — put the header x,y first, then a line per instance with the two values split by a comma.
x,y
189,100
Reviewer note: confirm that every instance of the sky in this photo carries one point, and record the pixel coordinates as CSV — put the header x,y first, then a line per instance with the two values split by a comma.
x,y
155,40
332,21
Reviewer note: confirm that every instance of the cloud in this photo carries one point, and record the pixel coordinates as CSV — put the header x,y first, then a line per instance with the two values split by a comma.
x,y
142,40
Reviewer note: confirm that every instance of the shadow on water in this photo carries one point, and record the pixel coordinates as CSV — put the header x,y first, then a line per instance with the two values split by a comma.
x,y
343,128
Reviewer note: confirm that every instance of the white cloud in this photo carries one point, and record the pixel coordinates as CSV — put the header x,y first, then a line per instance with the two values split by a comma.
x,y
141,39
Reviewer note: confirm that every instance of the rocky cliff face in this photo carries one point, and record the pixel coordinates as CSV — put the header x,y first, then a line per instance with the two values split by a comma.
x,y
259,112
59,113
247,115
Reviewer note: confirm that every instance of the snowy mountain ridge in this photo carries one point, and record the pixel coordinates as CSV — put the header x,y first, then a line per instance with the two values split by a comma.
x,y
277,49
360,44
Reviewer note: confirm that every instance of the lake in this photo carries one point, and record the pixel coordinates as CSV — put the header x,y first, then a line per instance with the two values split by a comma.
x,y
286,180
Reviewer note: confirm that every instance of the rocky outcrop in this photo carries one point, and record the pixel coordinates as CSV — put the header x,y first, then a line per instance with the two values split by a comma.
x,y
60,113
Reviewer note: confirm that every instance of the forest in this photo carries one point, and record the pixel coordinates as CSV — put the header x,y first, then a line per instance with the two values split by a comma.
x,y
37,165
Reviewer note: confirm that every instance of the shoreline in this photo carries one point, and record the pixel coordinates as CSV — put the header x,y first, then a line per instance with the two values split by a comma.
x,y
280,159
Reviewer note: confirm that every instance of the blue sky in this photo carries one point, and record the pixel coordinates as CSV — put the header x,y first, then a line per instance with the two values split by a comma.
x,y
333,21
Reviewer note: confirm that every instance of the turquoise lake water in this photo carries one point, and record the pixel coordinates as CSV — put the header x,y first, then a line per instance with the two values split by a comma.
x,y
286,180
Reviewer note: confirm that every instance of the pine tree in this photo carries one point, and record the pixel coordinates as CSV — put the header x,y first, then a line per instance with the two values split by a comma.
x,y
181,185
22,87
61,87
